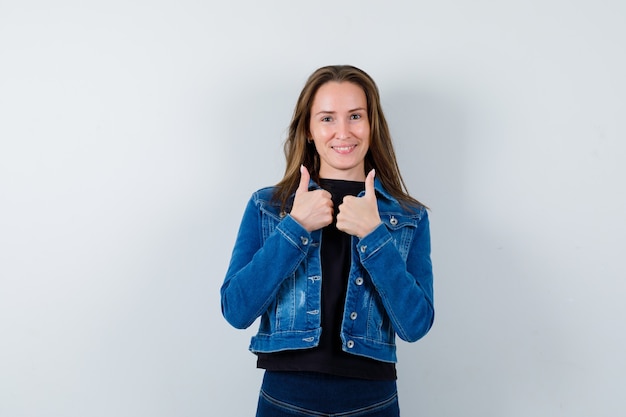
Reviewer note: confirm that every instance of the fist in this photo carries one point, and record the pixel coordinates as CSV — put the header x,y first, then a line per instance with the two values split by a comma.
x,y
313,210
358,216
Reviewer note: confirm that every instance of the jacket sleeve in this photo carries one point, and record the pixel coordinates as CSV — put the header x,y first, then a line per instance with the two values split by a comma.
x,y
258,268
405,288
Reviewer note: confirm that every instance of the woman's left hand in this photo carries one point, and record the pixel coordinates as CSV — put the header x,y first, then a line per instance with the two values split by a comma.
x,y
358,216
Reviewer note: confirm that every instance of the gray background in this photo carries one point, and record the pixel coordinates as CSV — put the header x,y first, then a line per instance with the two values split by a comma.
x,y
133,132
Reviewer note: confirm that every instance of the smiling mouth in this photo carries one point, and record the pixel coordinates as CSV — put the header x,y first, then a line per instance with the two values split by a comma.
x,y
343,149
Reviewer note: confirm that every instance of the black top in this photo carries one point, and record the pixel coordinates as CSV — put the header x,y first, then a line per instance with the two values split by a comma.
x,y
328,357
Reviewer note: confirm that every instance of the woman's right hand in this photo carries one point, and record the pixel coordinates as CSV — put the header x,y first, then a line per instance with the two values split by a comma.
x,y
313,210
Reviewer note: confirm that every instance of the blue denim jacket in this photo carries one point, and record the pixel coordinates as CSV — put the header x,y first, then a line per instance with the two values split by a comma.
x,y
275,273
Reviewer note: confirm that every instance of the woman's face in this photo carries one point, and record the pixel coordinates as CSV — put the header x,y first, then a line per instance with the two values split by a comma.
x,y
340,130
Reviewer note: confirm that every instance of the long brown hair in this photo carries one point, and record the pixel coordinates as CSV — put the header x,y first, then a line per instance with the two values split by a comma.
x,y
380,156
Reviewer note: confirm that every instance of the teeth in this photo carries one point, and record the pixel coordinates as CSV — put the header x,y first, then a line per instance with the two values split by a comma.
x,y
343,148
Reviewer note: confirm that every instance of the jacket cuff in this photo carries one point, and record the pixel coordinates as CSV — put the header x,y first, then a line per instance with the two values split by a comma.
x,y
372,242
297,235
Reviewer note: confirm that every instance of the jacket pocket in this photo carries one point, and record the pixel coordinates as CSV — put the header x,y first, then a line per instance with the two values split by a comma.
x,y
402,228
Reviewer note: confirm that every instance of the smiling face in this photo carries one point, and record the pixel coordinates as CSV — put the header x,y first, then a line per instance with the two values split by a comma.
x,y
340,129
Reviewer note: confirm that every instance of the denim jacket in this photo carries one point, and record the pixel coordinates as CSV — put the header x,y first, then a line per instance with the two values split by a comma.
x,y
275,273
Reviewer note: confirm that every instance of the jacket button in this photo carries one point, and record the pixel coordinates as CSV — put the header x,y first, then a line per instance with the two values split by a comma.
x,y
359,281
350,344
393,221
353,315
363,248
304,240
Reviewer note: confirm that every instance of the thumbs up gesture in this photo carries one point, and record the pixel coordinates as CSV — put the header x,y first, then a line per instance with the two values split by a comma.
x,y
358,216
312,209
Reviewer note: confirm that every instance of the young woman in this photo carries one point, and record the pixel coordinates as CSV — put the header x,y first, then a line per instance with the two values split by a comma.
x,y
335,259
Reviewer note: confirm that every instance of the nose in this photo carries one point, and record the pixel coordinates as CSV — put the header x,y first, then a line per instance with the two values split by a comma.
x,y
342,129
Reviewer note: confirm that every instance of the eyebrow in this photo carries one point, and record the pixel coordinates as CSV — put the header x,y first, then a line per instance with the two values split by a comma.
x,y
333,112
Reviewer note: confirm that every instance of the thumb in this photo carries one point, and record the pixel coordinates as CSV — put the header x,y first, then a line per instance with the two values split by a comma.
x,y
369,184
303,187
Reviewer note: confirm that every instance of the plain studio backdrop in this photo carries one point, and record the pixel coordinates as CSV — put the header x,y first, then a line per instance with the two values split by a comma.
x,y
133,132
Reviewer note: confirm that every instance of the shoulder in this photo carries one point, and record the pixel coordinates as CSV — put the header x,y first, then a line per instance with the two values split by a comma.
x,y
264,194
264,199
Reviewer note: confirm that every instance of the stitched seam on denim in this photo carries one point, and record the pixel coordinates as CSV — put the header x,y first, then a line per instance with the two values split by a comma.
x,y
370,408
353,413
305,412
390,313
